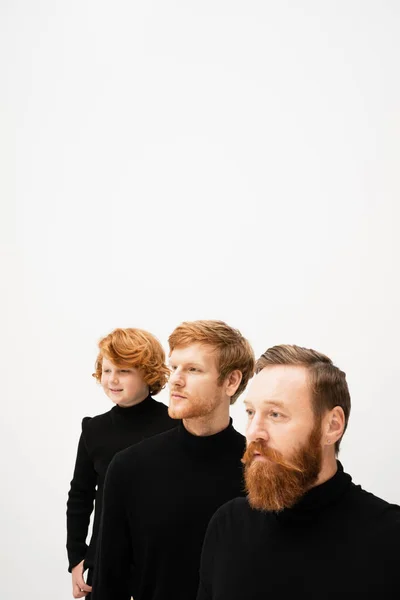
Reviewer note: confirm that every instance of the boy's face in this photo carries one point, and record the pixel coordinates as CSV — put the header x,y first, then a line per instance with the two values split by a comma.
x,y
123,385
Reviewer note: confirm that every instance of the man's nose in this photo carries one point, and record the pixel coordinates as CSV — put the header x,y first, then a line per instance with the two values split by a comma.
x,y
256,430
176,378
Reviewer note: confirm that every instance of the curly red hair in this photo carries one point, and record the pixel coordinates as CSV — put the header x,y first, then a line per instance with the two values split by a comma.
x,y
136,349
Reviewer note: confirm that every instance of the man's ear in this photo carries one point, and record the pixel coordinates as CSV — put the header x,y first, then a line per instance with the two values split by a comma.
x,y
232,382
334,428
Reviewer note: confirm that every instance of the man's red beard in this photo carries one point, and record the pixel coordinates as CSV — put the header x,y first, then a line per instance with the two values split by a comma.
x,y
192,407
278,483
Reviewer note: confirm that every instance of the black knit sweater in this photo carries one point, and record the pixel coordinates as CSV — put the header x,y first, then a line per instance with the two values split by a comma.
x,y
102,437
158,499
338,542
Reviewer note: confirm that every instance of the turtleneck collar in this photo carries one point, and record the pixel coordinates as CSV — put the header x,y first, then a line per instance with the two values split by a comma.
x,y
318,497
132,412
207,444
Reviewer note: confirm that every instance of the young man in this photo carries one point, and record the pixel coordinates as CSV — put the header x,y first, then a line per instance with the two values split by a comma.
x,y
305,531
160,494
131,369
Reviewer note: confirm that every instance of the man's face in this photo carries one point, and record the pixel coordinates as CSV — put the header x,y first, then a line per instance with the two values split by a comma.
x,y
284,454
193,385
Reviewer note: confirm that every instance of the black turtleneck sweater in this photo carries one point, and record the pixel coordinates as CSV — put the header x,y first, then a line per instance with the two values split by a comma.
x,y
102,437
339,541
158,499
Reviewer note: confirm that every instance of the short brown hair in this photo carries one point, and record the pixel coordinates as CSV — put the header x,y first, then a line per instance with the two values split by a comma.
x,y
234,351
328,383
137,349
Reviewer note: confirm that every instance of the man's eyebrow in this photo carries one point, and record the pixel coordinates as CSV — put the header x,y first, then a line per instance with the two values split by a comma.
x,y
187,364
266,402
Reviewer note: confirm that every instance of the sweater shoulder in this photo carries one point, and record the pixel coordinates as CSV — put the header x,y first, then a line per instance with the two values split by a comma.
x,y
235,511
373,504
236,506
90,424
148,447
380,514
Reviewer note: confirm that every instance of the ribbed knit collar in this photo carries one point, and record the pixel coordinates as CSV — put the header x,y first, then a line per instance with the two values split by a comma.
x,y
135,411
318,497
206,445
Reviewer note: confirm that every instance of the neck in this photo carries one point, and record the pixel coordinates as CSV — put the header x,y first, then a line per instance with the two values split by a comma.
x,y
209,425
329,468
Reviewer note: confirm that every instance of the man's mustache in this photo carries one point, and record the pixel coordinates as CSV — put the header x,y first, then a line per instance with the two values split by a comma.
x,y
276,457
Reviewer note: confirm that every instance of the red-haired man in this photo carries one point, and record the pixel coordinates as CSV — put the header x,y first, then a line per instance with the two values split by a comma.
x,y
305,531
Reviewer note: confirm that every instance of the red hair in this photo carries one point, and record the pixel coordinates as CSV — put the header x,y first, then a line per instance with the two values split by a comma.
x,y
137,349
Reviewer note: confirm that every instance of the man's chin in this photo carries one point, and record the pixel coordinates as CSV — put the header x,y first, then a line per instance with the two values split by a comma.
x,y
185,412
174,413
179,412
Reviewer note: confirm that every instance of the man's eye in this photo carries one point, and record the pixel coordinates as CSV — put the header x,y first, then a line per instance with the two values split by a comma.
x,y
250,412
193,369
275,415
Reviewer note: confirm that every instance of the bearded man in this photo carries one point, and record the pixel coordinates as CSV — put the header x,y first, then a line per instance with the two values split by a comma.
x,y
305,531
160,494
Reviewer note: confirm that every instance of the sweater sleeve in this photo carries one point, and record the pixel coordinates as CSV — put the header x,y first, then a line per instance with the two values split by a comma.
x,y
113,566
80,503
